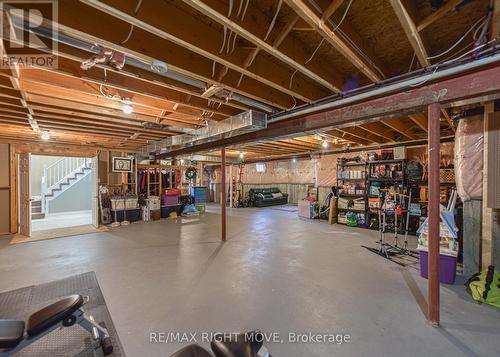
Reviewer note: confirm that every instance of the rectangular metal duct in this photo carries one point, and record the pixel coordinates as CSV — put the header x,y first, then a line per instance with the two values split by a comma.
x,y
237,124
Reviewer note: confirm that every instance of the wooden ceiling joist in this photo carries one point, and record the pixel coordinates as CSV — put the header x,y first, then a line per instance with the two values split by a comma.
x,y
420,120
406,13
178,58
397,125
182,30
205,9
438,14
329,11
331,37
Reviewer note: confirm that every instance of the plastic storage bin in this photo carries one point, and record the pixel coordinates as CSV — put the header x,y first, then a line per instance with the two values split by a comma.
x,y
447,267
153,202
168,200
166,210
133,215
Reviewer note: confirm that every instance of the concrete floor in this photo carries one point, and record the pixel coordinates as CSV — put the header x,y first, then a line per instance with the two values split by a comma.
x,y
276,272
62,220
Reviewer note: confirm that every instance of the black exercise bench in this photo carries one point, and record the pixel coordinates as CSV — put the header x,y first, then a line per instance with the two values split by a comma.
x,y
16,334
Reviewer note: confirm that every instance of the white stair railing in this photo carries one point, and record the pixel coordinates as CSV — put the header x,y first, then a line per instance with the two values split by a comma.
x,y
59,172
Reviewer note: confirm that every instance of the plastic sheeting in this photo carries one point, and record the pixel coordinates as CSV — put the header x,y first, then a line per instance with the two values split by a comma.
x,y
300,172
469,157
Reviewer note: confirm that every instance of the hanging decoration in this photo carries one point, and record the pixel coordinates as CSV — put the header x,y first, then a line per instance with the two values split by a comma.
x,y
191,173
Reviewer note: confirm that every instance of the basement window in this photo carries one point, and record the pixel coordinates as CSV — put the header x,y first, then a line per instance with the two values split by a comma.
x,y
260,167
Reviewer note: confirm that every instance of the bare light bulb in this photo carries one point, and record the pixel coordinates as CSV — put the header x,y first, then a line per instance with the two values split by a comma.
x,y
242,155
45,136
294,160
127,109
324,144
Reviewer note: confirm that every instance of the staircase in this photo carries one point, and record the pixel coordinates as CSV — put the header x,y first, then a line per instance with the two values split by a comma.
x,y
57,178
36,209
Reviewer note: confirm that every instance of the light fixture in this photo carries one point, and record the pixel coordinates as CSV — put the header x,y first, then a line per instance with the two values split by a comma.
x,y
127,107
45,135
242,155
294,160
182,161
324,144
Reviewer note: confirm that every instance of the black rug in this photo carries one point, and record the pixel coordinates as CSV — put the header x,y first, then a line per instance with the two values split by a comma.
x,y
19,304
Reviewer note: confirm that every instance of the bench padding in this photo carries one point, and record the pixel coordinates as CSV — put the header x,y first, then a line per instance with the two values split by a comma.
x,y
11,333
53,314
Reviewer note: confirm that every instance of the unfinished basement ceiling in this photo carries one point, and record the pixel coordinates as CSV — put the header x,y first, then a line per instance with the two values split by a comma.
x,y
263,56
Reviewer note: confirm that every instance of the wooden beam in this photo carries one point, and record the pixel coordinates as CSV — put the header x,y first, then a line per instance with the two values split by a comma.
x,y
476,86
315,22
495,20
334,5
379,129
276,43
450,121
183,30
178,58
410,29
205,9
397,125
341,134
362,134
420,120
438,14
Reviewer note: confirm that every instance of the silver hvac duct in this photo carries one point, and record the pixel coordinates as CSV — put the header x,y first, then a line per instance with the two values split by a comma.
x,y
237,124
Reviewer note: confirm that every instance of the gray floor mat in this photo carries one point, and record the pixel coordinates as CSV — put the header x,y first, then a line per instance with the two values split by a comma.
x,y
69,341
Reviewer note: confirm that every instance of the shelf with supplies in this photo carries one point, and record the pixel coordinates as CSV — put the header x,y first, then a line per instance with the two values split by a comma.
x,y
351,185
363,184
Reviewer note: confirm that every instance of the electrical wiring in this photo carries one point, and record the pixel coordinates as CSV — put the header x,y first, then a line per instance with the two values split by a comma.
x,y
129,35
321,42
412,61
230,8
136,10
349,40
239,81
343,17
271,25
240,8
244,10
224,40
471,51
480,22
234,42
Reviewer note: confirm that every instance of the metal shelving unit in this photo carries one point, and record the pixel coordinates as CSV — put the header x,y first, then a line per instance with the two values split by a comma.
x,y
341,167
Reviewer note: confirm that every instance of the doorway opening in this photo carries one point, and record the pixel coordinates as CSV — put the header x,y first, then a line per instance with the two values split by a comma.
x,y
62,193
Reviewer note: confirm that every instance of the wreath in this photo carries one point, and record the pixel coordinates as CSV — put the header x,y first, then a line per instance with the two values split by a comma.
x,y
191,173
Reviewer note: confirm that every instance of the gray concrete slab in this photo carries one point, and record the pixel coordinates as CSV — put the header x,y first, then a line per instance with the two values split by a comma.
x,y
276,272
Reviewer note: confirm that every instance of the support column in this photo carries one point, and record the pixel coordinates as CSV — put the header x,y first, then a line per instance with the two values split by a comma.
x,y
490,245
223,194
433,213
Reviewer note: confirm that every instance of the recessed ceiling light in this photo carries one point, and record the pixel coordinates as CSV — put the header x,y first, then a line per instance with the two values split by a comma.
x,y
45,135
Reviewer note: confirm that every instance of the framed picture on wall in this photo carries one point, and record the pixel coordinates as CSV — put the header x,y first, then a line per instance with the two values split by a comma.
x,y
122,164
